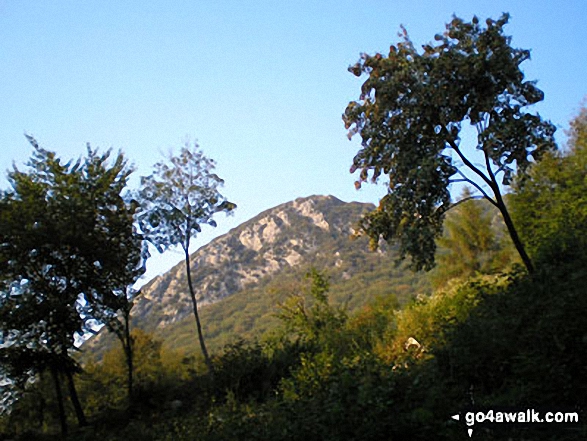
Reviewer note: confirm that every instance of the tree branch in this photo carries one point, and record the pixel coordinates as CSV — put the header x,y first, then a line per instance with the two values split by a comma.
x,y
494,186
476,198
507,218
468,163
477,186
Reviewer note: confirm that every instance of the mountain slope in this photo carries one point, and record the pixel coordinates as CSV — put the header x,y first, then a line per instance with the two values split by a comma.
x,y
242,276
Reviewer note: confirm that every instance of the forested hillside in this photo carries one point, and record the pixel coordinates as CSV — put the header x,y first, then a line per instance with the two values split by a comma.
x,y
259,263
453,307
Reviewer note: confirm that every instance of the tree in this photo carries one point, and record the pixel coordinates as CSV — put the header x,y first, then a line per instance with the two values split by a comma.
x,y
309,316
176,200
471,241
37,310
105,382
550,203
121,250
411,116
68,248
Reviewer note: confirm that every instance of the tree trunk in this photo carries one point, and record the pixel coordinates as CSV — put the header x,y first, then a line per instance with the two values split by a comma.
x,y
127,346
41,405
513,232
79,411
196,315
500,203
41,412
59,397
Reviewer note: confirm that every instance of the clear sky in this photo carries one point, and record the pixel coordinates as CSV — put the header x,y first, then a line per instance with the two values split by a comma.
x,y
260,84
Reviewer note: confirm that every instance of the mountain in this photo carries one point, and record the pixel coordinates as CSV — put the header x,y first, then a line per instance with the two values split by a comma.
x,y
241,277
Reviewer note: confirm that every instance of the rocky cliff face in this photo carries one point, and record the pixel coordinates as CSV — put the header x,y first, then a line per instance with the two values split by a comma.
x,y
287,236
242,277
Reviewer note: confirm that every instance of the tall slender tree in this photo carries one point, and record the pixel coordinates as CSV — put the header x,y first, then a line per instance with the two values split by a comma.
x,y
179,198
411,113
66,241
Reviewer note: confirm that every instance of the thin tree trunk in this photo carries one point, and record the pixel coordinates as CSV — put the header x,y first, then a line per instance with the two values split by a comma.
x,y
506,216
59,396
125,339
41,405
127,343
196,315
514,235
41,412
79,411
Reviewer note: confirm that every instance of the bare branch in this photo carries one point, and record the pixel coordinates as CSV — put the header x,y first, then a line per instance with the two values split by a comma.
x,y
470,198
466,161
477,187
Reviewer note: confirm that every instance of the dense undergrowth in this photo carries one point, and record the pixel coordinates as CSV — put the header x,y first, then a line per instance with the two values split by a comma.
x,y
510,340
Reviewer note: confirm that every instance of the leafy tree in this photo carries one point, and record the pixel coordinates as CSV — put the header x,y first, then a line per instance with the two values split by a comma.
x,y
68,249
105,382
122,251
471,241
311,318
38,314
411,116
177,199
549,203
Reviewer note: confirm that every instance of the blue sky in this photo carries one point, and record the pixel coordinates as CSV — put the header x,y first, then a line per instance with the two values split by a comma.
x,y
260,84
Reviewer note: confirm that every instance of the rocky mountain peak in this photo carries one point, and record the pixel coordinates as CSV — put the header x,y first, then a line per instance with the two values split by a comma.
x,y
279,238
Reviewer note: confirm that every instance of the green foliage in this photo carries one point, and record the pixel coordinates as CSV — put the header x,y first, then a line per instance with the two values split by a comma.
x,y
335,389
160,376
37,311
472,243
335,399
422,326
310,318
179,198
69,254
247,372
410,116
550,204
521,347
33,411
479,340
500,341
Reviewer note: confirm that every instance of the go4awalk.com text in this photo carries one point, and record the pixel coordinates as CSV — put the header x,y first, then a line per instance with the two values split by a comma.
x,y
525,417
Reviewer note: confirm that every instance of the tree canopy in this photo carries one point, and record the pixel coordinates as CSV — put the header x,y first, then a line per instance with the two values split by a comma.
x,y
550,203
69,253
412,113
179,198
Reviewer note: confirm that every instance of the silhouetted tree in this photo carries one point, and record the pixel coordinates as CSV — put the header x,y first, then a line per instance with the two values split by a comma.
x,y
411,114
68,249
